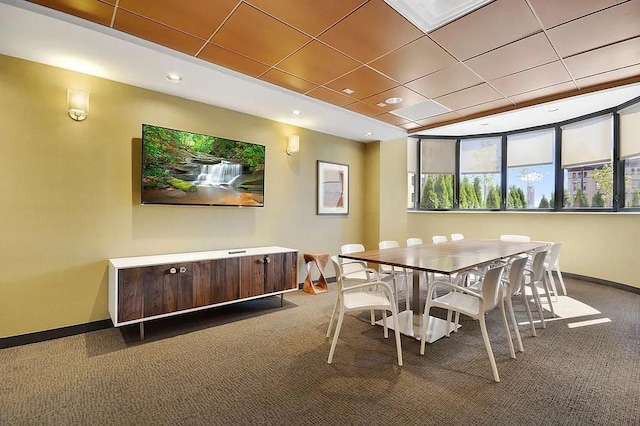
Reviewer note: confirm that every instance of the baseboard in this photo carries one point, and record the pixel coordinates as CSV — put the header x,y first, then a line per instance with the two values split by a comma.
x,y
41,336
602,282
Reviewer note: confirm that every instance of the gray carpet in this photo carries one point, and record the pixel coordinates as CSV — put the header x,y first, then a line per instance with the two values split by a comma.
x,y
257,363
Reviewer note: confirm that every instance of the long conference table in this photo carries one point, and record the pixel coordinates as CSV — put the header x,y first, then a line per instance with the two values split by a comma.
x,y
446,258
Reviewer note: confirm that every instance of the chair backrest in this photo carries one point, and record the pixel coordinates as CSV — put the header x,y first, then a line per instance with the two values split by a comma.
x,y
554,254
516,274
491,287
388,244
414,241
457,237
351,248
338,270
436,239
515,238
347,265
539,258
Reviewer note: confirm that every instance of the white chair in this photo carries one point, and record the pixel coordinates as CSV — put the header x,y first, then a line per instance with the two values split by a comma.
x,y
366,296
414,241
437,239
457,237
514,281
535,278
552,263
473,303
515,238
396,274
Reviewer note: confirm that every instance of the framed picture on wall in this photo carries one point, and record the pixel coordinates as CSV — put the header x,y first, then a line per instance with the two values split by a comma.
x,y
333,188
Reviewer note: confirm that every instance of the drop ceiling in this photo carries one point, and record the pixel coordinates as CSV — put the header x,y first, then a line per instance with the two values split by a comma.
x,y
303,54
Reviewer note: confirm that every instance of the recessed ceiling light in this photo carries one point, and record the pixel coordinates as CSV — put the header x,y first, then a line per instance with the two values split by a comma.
x,y
394,100
369,134
382,105
553,109
347,91
484,124
174,78
296,113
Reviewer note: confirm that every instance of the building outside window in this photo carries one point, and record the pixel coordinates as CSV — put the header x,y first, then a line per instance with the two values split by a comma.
x,y
480,171
630,153
437,173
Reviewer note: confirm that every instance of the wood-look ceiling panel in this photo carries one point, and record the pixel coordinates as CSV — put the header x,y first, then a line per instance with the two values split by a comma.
x,y
616,23
568,87
365,109
527,53
532,79
492,26
392,119
318,63
476,95
449,116
309,16
605,59
414,60
231,60
448,80
364,82
157,33
554,12
287,81
330,96
255,34
91,10
409,97
196,17
371,31
611,76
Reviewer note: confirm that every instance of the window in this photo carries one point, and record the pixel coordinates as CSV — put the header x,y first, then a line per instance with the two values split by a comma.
x,y
437,172
412,162
531,170
587,148
630,153
480,171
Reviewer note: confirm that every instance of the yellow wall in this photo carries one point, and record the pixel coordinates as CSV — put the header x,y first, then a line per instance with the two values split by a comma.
x,y
70,192
599,245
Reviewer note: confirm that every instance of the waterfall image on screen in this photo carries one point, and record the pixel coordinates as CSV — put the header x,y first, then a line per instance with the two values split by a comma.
x,y
180,167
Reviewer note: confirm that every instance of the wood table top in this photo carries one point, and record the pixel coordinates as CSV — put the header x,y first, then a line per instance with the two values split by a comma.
x,y
448,257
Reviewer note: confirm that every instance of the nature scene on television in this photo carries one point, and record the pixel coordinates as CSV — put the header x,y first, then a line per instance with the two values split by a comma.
x,y
181,167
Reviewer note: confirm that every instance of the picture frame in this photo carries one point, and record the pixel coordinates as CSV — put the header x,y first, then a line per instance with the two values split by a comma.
x,y
333,188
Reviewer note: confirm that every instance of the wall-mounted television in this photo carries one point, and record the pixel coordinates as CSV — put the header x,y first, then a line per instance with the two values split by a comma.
x,y
180,167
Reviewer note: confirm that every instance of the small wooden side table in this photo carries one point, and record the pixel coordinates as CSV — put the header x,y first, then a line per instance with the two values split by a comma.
x,y
320,260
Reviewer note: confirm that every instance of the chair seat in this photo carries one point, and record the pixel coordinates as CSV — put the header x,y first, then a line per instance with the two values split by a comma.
x,y
459,302
366,299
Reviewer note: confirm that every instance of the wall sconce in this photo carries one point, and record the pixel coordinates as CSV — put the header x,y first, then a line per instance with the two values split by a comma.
x,y
293,145
78,104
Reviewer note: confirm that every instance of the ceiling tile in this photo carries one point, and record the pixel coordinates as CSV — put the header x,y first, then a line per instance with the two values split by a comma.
x,y
318,63
421,111
371,31
606,77
391,119
472,96
196,17
409,97
91,10
287,81
231,60
520,55
364,82
554,12
607,58
532,79
485,109
566,88
448,80
616,23
410,126
365,109
309,16
257,35
330,96
489,27
157,33
439,119
414,60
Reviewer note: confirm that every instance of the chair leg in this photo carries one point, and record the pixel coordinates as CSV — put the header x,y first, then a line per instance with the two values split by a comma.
x,y
526,305
564,289
536,299
545,286
373,317
407,305
333,315
515,324
425,329
384,324
396,331
552,282
487,344
335,336
512,352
